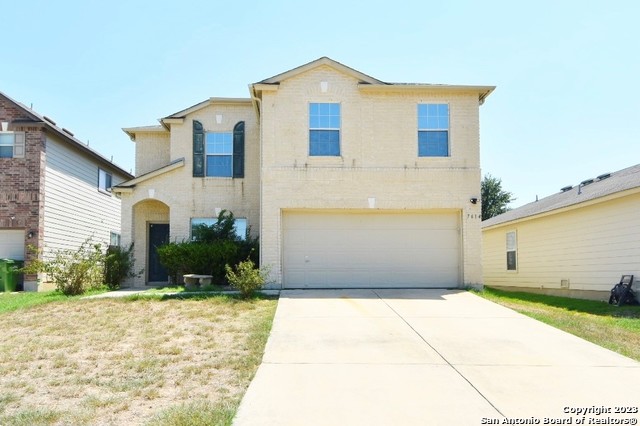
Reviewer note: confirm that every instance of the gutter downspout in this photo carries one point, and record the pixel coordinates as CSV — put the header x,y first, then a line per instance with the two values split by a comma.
x,y
257,102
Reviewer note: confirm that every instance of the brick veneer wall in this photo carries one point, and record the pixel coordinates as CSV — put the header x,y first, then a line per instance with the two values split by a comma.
x,y
21,185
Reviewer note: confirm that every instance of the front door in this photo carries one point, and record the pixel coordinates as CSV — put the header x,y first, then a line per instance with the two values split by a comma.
x,y
158,235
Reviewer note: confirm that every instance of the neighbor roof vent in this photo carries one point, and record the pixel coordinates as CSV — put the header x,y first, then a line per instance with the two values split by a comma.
x,y
604,176
586,182
49,120
67,131
566,188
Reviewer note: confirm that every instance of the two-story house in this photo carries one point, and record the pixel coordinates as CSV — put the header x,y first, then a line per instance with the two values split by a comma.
x,y
349,181
55,191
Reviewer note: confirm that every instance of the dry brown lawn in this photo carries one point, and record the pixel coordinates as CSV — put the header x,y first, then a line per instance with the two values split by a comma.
x,y
128,362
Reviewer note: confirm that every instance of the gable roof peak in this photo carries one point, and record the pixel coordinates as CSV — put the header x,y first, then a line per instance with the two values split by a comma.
x,y
324,60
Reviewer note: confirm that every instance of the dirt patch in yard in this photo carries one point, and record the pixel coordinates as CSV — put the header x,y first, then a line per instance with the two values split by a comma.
x,y
117,362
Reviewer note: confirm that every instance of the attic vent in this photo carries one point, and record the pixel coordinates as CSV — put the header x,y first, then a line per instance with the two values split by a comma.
x,y
586,182
566,188
49,120
604,176
67,131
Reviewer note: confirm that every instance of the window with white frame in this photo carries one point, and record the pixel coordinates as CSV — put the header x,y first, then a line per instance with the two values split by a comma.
x,y
6,144
240,225
324,129
433,130
512,249
114,239
104,180
219,152
12,144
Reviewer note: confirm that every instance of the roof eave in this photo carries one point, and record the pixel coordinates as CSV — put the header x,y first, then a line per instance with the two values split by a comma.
x,y
132,131
200,105
586,203
42,121
482,91
130,184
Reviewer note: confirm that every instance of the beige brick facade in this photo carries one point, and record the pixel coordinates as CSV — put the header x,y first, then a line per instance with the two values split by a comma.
x,y
182,196
379,159
152,150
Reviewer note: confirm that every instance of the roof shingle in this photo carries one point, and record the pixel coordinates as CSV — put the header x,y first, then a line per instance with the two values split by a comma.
x,y
602,186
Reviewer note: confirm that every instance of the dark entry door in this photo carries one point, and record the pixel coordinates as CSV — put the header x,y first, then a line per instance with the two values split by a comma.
x,y
158,235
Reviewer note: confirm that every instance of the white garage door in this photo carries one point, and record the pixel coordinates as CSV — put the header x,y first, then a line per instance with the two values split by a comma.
x,y
11,244
367,250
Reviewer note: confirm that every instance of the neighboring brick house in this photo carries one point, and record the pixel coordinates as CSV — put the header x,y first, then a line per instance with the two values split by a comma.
x,y
577,242
54,190
349,181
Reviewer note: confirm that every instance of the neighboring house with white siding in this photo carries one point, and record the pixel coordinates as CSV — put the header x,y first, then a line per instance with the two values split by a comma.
x,y
55,191
348,181
576,243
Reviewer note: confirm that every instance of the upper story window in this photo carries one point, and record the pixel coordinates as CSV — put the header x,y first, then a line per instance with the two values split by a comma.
x,y
324,129
104,180
433,130
219,154
12,144
512,248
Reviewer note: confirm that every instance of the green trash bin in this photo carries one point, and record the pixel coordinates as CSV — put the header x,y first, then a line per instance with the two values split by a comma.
x,y
19,276
10,278
3,273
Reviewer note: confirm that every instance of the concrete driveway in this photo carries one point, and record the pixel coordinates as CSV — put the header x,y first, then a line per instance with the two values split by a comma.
x,y
428,357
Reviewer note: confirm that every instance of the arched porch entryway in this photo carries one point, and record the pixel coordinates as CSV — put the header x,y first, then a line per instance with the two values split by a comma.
x,y
150,230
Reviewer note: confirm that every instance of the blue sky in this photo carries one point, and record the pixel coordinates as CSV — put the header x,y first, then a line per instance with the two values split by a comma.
x,y
566,107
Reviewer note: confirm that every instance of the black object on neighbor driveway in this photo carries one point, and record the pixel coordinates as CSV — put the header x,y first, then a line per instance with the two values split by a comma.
x,y
622,294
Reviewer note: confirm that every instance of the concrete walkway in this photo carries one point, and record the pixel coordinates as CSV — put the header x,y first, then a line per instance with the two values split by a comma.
x,y
123,292
427,357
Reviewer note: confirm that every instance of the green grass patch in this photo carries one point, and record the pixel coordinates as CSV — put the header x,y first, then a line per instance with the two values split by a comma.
x,y
14,301
199,413
612,327
23,300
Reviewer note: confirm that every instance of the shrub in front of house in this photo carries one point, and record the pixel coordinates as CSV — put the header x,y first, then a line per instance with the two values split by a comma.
x,y
246,278
211,248
72,271
197,258
118,265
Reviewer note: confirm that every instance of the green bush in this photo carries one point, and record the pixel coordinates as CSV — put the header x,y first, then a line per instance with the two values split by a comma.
x,y
211,249
118,266
224,230
246,277
197,258
72,271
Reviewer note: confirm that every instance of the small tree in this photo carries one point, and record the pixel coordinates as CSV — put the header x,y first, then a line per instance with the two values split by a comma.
x,y
72,271
211,248
223,229
494,199
118,265
246,277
